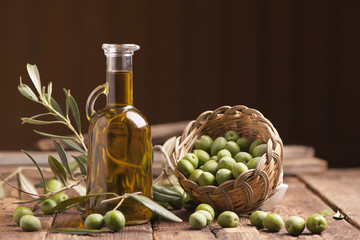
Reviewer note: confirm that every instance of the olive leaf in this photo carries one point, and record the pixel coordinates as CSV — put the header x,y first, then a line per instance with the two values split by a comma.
x,y
166,191
27,186
31,201
37,166
80,164
338,215
26,91
19,185
326,213
35,76
67,101
49,91
76,231
75,111
155,208
58,170
71,201
72,145
38,122
161,197
62,156
53,135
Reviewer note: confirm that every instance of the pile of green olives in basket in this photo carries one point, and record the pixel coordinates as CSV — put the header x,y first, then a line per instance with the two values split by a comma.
x,y
214,162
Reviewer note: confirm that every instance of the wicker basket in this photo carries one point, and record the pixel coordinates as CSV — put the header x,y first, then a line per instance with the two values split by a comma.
x,y
249,190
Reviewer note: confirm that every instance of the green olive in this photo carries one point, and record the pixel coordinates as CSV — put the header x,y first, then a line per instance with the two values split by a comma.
x,y
238,168
231,135
223,153
228,219
226,162
295,225
94,221
202,156
218,144
244,144
204,143
194,176
260,150
115,220
253,163
206,178
30,223
223,175
211,167
47,206
243,157
233,148
206,207
273,222
191,157
254,144
185,167
20,212
257,217
197,220
59,197
53,185
207,215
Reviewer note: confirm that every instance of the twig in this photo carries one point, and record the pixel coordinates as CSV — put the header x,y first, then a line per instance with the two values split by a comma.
x,y
119,197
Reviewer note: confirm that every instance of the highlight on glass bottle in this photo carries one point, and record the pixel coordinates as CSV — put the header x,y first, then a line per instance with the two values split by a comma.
x,y
120,154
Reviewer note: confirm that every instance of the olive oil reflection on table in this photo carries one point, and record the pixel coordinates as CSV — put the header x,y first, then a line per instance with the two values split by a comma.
x,y
120,156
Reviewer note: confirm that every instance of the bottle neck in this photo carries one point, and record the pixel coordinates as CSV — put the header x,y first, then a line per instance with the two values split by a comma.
x,y
119,79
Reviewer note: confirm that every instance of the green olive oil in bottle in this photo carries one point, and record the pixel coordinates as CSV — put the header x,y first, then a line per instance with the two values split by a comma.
x,y
120,150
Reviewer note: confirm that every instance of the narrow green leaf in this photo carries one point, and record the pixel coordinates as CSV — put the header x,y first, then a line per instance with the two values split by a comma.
x,y
49,91
19,185
166,191
161,197
63,157
26,91
71,201
338,215
327,212
75,111
67,101
26,185
55,105
72,145
76,231
31,201
155,208
53,135
37,166
39,122
80,164
34,76
58,170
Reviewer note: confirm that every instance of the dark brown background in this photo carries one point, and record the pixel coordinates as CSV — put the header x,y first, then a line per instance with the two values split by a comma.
x,y
295,61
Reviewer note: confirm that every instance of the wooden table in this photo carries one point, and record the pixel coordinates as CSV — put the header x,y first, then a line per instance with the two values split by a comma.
x,y
338,189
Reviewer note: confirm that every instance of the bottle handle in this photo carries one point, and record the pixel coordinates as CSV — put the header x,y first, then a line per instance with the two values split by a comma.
x,y
92,98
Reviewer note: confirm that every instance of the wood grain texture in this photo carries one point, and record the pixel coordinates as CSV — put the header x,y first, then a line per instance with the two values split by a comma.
x,y
300,201
340,189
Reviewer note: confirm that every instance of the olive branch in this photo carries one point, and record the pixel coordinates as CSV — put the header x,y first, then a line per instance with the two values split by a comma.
x,y
65,171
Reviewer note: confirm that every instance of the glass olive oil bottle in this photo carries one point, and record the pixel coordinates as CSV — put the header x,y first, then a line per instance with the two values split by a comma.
x,y
120,150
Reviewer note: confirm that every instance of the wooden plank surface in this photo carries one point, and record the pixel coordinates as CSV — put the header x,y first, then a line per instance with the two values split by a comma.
x,y
340,189
298,200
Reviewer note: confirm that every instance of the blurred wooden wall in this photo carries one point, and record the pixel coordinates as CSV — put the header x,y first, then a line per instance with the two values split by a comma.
x,y
295,61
